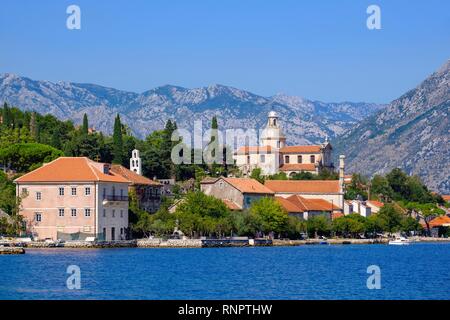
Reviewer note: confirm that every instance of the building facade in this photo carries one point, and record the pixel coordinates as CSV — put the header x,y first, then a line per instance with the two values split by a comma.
x,y
73,198
147,191
273,155
236,193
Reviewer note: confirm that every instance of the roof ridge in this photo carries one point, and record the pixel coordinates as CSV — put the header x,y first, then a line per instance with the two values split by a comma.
x,y
43,165
91,168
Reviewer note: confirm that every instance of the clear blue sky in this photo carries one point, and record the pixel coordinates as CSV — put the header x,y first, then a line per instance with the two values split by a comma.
x,y
315,49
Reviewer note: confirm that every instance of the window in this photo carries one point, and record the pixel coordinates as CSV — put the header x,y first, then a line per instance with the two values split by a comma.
x,y
286,159
87,191
38,195
61,212
113,213
104,193
73,212
278,144
74,191
61,191
248,159
299,159
38,217
104,213
87,212
121,193
121,213
24,190
263,158
313,159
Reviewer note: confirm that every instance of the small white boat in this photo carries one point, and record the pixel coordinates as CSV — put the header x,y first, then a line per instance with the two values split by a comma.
x,y
400,241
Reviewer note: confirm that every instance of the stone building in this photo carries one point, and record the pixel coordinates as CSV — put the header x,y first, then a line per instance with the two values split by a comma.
x,y
148,192
273,155
236,193
72,198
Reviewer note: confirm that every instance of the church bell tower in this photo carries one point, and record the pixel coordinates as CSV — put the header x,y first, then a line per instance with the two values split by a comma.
x,y
135,162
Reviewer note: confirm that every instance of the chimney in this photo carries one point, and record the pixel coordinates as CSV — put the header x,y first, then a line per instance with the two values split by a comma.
x,y
341,176
341,171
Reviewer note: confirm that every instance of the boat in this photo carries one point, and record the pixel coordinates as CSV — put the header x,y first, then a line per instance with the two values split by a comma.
x,y
400,241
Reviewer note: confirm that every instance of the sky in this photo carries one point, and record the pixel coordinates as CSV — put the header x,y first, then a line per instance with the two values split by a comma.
x,y
319,50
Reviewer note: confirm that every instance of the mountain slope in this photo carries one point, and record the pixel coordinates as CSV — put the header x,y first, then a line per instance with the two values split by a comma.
x,y
412,133
304,121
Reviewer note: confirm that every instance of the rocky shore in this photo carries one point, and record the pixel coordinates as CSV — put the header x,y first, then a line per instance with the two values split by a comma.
x,y
9,247
12,250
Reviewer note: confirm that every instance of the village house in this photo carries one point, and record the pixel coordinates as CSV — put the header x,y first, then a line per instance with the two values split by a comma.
x,y
273,155
74,198
236,193
375,205
305,208
147,191
357,206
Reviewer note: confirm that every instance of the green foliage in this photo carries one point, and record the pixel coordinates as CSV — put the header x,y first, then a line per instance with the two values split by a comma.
x,y
203,215
24,156
269,215
257,175
380,188
318,226
349,226
117,141
391,216
356,188
85,126
278,176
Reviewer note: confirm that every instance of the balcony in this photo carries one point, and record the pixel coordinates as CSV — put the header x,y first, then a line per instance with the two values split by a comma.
x,y
113,199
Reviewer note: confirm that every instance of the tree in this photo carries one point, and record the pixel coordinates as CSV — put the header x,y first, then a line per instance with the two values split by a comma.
x,y
272,217
380,188
117,141
7,120
257,175
426,211
34,127
24,157
318,226
85,126
356,188
391,216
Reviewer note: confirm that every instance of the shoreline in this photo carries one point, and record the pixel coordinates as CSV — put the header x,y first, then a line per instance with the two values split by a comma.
x,y
11,247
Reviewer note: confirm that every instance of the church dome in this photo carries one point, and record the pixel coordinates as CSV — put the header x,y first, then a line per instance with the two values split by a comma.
x,y
273,114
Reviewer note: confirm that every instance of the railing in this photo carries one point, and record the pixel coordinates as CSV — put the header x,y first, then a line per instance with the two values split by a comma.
x,y
115,198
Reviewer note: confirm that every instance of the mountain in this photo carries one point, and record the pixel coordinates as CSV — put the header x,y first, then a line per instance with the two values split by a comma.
x,y
412,133
304,121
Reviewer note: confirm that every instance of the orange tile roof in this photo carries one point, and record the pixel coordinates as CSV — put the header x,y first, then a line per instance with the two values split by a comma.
x,y
131,176
254,149
335,215
246,185
70,169
301,149
289,206
375,203
313,204
439,221
446,197
231,205
298,167
303,186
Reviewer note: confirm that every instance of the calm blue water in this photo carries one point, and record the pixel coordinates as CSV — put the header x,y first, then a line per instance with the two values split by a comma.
x,y
418,271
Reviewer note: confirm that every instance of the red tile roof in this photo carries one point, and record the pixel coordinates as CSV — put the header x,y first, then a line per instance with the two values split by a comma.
x,y
375,203
289,206
296,204
303,186
71,169
246,185
440,221
131,176
301,149
446,197
231,205
298,167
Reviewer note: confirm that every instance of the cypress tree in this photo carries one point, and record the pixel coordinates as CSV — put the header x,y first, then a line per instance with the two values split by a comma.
x,y
85,127
6,116
117,141
33,126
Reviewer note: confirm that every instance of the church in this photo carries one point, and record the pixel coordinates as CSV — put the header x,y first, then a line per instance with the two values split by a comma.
x,y
274,156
